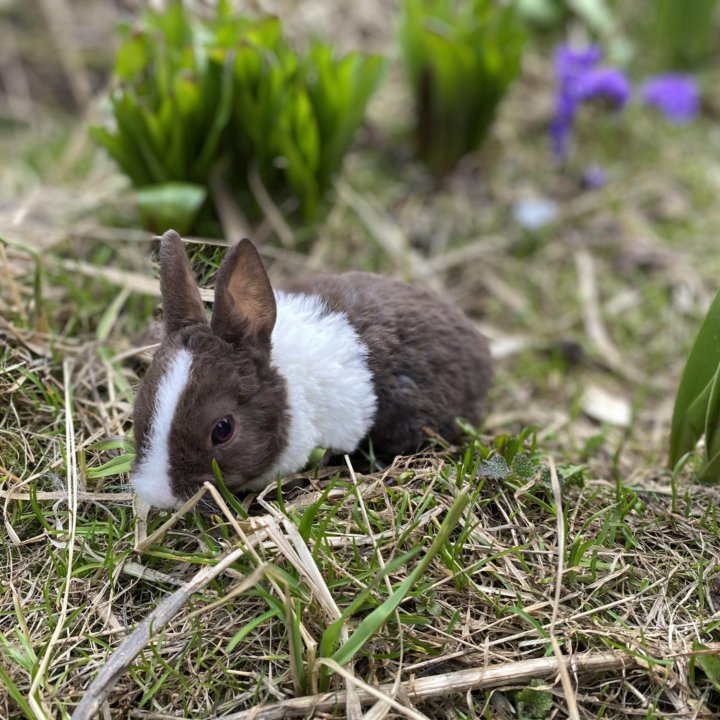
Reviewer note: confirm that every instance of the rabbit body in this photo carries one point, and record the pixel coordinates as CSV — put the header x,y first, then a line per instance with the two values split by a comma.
x,y
429,363
329,361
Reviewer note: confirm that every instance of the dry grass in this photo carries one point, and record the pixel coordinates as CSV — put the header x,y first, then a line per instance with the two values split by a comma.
x,y
465,582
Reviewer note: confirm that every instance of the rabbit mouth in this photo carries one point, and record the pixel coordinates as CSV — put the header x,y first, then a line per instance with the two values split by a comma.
x,y
209,505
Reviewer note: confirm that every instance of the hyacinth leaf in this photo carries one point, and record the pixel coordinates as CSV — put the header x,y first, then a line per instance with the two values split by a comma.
x,y
129,163
697,415
685,30
460,59
172,204
131,58
688,429
305,133
194,92
711,467
299,146
175,119
210,150
130,117
339,91
696,402
710,470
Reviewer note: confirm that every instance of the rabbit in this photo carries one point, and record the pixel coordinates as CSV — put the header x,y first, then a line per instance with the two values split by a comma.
x,y
330,361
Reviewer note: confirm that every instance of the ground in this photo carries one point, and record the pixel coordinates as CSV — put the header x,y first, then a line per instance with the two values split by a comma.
x,y
463,578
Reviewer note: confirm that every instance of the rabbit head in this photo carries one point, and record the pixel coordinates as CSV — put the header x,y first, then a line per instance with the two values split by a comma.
x,y
210,391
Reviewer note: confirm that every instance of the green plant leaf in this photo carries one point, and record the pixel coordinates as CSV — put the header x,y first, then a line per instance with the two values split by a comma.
x,y
128,161
114,466
685,31
534,704
170,205
113,443
246,629
16,694
211,149
711,667
690,417
229,497
193,94
712,418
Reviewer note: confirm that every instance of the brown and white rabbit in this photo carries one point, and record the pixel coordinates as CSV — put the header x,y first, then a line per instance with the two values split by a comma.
x,y
329,363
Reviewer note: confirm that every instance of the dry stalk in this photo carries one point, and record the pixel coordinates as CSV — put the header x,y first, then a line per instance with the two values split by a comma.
x,y
100,688
72,475
564,674
514,673
270,209
390,237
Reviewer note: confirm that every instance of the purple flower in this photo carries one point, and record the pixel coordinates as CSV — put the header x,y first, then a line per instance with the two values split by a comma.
x,y
561,125
573,61
607,82
676,96
580,80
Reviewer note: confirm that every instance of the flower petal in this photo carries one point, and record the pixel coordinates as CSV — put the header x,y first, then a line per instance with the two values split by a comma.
x,y
675,95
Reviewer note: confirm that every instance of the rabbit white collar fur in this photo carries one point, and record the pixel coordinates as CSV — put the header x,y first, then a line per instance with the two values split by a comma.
x,y
331,395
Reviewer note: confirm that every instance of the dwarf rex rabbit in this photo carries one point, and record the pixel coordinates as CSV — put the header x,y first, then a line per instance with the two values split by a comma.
x,y
328,363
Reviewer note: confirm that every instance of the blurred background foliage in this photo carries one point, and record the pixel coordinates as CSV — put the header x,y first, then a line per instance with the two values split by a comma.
x,y
228,96
204,93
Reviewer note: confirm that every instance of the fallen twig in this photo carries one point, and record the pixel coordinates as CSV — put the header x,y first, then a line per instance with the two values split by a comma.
x,y
592,319
515,673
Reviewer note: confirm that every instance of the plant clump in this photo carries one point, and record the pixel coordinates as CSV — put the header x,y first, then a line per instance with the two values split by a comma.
x,y
196,96
460,59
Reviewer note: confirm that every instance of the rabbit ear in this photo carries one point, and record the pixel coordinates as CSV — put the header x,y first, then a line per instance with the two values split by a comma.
x,y
182,305
244,310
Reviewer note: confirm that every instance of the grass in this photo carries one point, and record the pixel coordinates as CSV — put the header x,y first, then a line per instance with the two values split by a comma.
x,y
441,572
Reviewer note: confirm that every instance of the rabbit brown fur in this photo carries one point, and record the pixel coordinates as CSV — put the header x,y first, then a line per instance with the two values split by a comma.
x,y
429,363
330,361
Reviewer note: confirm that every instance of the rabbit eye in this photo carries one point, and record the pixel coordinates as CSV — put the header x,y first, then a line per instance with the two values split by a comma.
x,y
223,430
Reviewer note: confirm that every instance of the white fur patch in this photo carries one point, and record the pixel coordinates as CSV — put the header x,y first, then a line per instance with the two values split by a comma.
x,y
151,478
330,387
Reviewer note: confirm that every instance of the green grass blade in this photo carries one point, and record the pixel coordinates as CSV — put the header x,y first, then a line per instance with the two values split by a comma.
x,y
114,466
16,695
231,499
249,627
376,619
